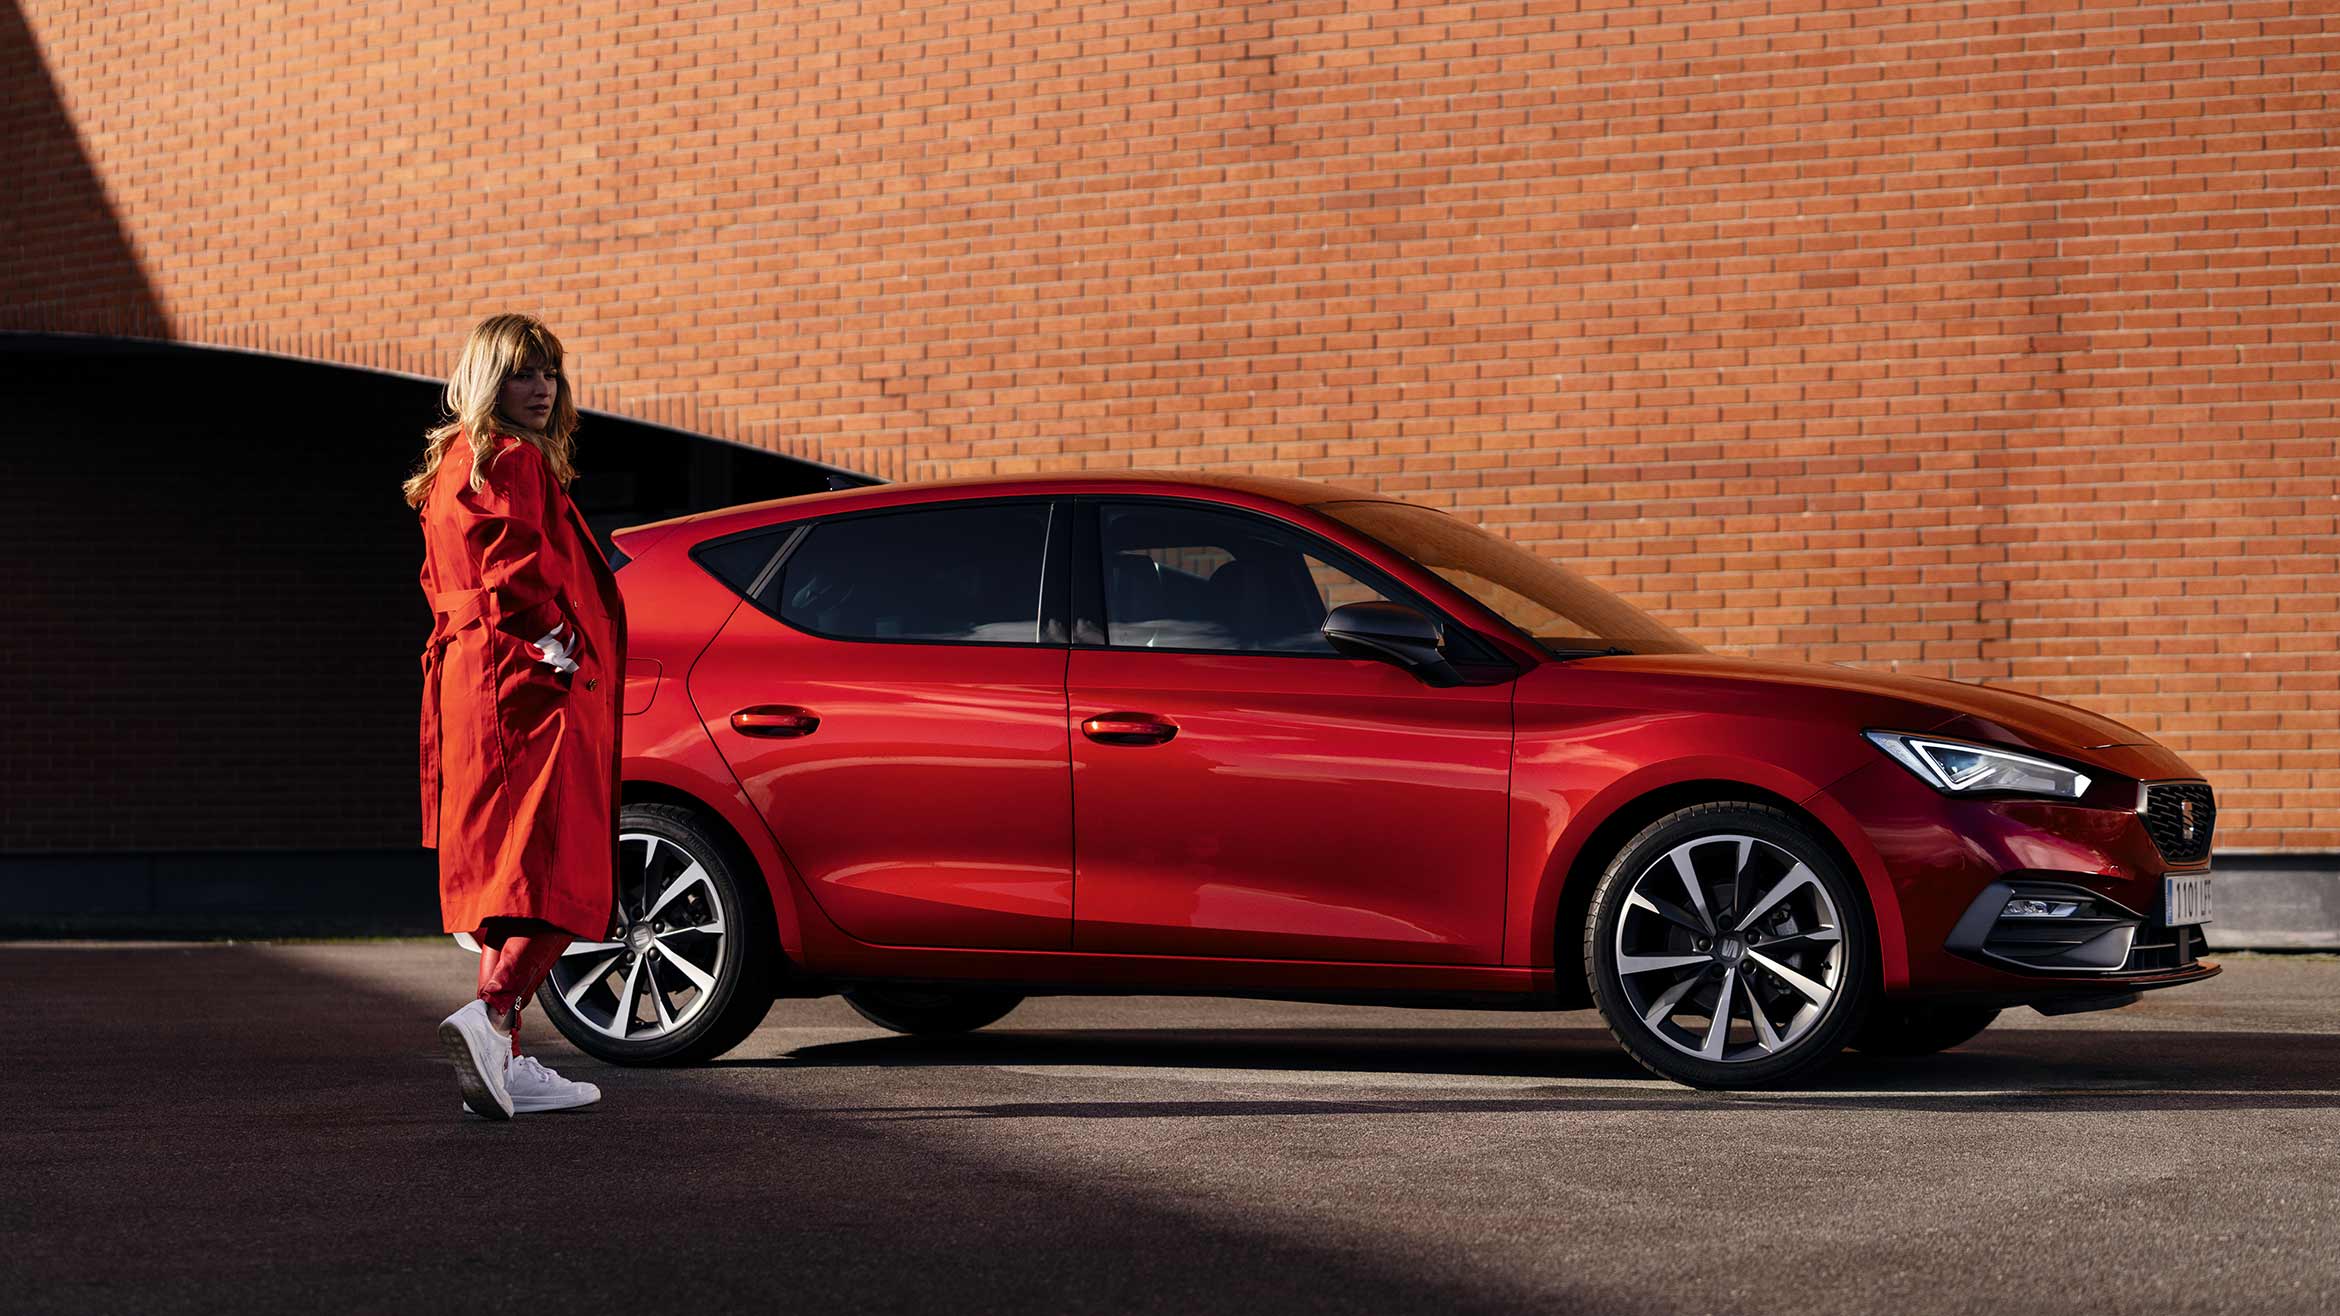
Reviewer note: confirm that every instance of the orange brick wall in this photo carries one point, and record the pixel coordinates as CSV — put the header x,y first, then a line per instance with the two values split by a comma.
x,y
1992,340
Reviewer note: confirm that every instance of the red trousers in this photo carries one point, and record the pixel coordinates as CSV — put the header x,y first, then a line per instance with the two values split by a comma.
x,y
515,956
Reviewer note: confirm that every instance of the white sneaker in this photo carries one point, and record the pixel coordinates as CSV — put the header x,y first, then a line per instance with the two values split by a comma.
x,y
535,1088
479,1051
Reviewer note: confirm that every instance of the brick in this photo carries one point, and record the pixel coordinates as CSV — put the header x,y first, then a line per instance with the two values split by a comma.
x,y
1957,340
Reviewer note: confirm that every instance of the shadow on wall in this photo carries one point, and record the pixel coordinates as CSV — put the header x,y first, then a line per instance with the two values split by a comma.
x,y
215,629
55,203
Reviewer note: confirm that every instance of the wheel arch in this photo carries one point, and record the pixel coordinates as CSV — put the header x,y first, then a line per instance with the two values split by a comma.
x,y
758,878
1575,882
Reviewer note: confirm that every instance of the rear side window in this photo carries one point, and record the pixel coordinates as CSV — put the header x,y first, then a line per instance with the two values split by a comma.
x,y
737,562
969,575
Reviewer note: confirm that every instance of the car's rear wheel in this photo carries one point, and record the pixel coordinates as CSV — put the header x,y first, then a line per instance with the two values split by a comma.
x,y
1920,1028
685,971
930,1011
1728,947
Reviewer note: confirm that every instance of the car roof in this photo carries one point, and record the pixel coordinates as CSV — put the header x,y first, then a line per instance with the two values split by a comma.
x,y
1299,493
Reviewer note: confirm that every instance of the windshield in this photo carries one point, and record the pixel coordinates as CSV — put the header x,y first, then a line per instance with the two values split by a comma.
x,y
1562,610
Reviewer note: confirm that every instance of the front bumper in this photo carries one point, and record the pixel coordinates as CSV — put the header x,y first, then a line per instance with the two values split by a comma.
x,y
1948,866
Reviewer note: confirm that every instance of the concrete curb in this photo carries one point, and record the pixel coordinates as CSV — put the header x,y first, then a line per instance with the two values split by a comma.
x,y
2275,902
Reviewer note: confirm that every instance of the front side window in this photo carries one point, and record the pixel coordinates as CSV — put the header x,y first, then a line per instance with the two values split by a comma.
x,y
961,574
1192,578
1563,611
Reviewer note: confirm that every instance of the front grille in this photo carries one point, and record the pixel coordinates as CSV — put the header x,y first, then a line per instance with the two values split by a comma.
x,y
2181,834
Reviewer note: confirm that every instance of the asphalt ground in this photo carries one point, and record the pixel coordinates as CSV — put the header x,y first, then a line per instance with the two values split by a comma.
x,y
273,1128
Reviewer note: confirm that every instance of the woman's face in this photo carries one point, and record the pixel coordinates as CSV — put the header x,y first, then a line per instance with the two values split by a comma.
x,y
527,395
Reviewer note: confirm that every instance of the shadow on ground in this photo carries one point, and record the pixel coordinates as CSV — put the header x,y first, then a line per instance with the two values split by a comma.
x,y
2014,1070
211,1127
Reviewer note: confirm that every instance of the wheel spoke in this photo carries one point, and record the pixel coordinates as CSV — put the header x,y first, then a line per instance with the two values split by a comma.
x,y
649,865
623,1019
1666,1001
1739,872
698,976
1765,1034
658,996
1667,910
689,878
591,947
1718,1030
1797,878
1690,883
585,982
1631,964
1814,992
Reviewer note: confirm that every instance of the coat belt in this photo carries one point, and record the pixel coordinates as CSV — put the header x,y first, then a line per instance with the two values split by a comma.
x,y
451,611
454,609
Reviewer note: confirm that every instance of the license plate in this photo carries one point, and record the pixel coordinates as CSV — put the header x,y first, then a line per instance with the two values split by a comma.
x,y
2185,899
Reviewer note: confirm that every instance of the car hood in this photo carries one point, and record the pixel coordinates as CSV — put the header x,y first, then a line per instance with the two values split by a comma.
x,y
1974,712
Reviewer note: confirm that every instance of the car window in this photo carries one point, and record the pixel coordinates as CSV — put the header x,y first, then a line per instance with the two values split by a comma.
x,y
1192,578
1556,607
964,574
739,560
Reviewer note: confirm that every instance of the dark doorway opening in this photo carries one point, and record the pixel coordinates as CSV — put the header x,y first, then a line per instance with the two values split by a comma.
x,y
211,674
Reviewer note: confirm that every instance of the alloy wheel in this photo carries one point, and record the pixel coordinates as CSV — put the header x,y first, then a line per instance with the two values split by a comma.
x,y
657,972
1729,948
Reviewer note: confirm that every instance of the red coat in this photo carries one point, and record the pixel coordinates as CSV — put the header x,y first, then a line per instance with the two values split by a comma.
x,y
519,763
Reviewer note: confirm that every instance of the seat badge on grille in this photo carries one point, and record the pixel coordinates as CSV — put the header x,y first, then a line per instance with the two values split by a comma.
x,y
2186,816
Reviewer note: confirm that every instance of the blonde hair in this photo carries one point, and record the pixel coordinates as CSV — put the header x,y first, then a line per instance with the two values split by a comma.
x,y
499,347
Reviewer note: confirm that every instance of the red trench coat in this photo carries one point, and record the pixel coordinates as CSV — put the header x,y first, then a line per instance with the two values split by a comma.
x,y
519,764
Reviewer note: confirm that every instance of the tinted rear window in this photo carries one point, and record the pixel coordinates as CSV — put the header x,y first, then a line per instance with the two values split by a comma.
x,y
737,562
961,574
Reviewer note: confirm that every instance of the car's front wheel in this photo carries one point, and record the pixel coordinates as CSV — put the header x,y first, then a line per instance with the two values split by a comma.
x,y
684,973
1727,947
922,1011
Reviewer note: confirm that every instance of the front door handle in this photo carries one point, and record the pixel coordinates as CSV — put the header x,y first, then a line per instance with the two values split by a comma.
x,y
1129,729
775,721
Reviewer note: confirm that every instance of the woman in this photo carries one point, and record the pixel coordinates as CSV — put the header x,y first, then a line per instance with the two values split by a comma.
x,y
520,699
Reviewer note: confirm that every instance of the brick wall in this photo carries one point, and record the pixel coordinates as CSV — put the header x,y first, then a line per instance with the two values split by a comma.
x,y
1990,340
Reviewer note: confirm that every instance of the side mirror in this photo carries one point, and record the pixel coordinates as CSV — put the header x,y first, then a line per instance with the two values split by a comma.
x,y
1391,633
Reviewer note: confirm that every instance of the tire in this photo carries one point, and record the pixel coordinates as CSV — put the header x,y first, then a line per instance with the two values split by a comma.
x,y
1661,943
1920,1028
930,1013
694,990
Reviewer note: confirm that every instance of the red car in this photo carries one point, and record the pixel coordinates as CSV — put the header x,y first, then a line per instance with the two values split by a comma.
x,y
938,747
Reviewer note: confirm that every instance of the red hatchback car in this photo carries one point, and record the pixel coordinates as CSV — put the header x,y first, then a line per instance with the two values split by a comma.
x,y
939,747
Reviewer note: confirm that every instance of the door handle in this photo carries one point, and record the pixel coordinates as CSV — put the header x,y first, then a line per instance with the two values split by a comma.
x,y
1129,729
775,721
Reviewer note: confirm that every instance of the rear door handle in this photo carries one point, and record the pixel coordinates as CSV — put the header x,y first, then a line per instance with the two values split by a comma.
x,y
775,721
1129,729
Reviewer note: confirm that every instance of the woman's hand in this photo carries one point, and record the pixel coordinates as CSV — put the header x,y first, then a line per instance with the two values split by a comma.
x,y
555,647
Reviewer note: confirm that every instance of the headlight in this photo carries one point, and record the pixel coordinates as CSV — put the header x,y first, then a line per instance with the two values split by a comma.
x,y
1953,766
